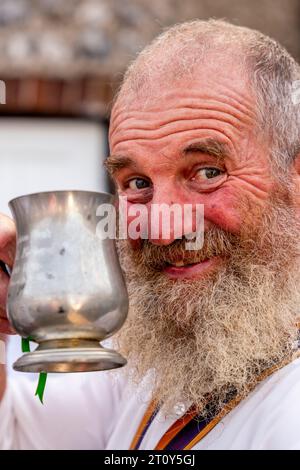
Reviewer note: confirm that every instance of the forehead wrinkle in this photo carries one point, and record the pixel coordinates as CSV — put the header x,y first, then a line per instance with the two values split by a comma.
x,y
154,126
180,116
138,135
149,120
237,102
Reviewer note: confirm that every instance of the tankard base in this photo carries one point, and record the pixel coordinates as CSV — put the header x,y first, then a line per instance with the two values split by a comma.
x,y
69,359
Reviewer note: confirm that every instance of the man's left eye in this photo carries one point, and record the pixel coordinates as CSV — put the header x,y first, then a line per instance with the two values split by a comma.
x,y
138,183
208,173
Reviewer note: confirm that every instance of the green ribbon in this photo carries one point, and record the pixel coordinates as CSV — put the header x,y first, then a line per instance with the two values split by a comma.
x,y
25,345
41,386
43,375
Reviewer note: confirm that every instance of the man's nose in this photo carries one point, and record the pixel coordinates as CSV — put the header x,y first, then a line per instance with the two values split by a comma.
x,y
166,217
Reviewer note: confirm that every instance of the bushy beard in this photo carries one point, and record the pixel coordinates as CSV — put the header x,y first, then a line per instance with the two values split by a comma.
x,y
207,337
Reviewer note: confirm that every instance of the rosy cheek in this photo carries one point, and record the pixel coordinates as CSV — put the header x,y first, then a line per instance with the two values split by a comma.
x,y
221,211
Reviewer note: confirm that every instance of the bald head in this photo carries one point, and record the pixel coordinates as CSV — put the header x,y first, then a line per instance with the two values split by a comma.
x,y
267,70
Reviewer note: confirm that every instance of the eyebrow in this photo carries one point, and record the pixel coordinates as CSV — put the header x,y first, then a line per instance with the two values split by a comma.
x,y
115,163
212,147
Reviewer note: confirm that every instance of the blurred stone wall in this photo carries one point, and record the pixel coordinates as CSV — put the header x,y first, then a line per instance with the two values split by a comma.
x,y
72,38
68,56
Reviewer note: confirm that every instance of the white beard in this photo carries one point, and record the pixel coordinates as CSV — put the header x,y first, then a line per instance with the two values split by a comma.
x,y
205,337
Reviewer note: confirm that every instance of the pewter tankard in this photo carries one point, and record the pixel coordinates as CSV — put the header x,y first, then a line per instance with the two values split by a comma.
x,y
67,291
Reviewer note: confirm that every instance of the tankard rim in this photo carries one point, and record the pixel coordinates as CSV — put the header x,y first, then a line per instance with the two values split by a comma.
x,y
62,191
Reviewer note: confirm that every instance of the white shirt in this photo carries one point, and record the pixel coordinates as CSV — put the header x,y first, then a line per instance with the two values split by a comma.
x,y
102,411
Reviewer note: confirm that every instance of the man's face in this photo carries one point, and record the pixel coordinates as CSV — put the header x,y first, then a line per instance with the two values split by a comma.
x,y
219,319
193,143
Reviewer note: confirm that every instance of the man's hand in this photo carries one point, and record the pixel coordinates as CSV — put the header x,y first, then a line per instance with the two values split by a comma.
x,y
7,255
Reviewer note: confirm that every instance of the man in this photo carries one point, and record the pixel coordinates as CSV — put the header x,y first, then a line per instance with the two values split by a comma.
x,y
207,114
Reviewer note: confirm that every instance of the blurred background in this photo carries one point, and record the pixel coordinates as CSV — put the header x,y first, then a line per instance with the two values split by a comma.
x,y
62,60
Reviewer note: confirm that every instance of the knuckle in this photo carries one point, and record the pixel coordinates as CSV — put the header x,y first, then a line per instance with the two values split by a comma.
x,y
7,228
5,326
7,239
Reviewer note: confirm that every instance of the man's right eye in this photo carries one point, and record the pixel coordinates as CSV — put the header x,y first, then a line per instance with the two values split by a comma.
x,y
138,183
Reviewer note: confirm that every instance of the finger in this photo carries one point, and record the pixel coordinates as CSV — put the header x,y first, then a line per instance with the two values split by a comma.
x,y
4,281
5,326
7,240
3,316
